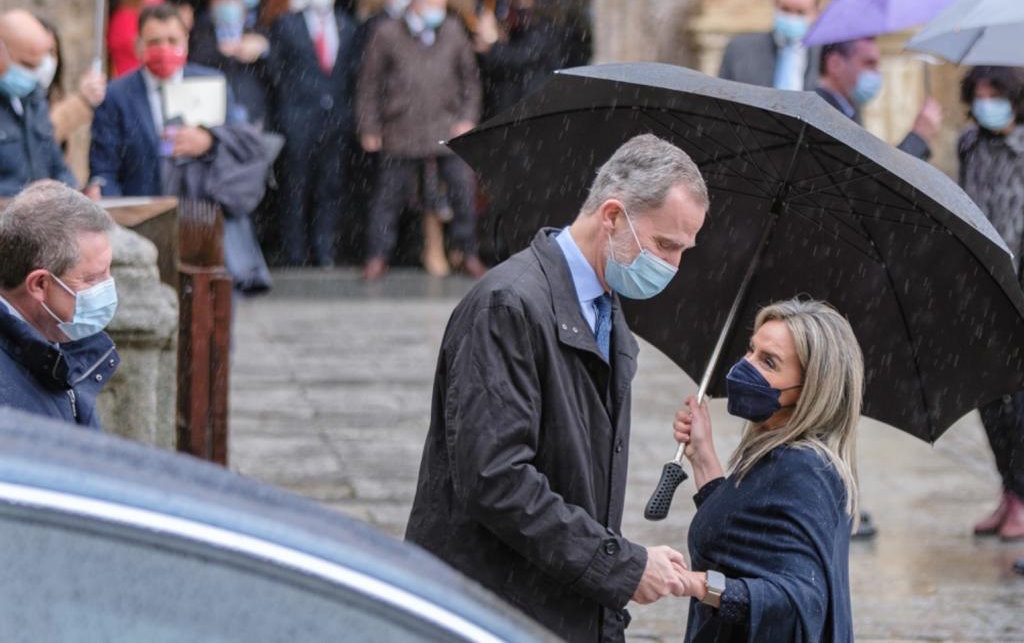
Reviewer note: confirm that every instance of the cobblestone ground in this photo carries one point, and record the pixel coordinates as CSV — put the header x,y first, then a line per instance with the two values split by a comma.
x,y
330,397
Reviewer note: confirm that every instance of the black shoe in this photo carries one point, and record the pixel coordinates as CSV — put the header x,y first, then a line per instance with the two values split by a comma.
x,y
866,530
1019,566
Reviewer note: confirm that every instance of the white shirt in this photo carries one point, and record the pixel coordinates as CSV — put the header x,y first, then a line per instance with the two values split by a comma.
x,y
790,67
323,20
156,102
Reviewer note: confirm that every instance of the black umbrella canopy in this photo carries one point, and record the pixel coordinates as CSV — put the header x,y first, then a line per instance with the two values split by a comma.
x,y
926,282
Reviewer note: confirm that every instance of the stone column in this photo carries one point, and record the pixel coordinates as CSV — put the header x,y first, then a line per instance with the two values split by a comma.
x,y
140,400
638,30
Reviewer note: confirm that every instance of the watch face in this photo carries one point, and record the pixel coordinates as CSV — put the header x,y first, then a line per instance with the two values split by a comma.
x,y
715,582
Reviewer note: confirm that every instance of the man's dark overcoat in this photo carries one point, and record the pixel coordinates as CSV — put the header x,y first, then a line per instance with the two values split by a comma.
x,y
523,475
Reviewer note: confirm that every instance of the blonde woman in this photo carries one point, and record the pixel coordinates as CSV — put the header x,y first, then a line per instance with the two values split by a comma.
x,y
769,543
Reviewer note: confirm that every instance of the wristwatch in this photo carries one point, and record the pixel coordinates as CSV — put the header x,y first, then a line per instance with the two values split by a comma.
x,y
714,586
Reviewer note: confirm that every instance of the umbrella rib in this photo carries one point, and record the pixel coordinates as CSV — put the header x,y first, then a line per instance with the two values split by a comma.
x,y
907,332
843,225
889,188
705,151
832,210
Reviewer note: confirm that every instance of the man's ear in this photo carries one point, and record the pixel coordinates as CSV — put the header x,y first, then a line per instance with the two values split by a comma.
x,y
609,212
35,283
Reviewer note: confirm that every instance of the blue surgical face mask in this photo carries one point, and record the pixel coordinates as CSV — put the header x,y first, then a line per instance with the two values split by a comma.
x,y
17,81
751,397
869,83
789,27
229,14
433,17
94,308
251,4
993,114
646,276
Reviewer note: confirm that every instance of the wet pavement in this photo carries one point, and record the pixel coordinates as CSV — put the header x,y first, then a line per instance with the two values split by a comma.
x,y
330,397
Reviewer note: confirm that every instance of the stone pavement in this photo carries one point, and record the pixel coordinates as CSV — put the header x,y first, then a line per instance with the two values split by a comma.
x,y
330,397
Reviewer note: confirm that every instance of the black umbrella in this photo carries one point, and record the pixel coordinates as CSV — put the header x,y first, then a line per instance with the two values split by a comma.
x,y
803,202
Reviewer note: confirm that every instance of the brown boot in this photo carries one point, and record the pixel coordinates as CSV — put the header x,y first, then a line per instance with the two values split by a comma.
x,y
434,261
1013,524
989,526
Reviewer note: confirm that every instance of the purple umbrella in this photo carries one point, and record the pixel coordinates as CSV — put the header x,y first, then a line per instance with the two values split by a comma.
x,y
852,19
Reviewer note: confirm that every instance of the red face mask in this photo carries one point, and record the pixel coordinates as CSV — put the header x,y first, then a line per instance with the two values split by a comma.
x,y
163,60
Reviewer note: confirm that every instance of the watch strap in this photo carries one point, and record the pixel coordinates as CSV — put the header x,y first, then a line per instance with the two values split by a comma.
x,y
714,587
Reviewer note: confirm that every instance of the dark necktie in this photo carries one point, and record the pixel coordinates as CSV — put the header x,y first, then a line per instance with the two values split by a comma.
x,y
603,325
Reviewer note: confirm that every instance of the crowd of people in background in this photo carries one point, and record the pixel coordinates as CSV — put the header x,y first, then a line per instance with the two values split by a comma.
x,y
347,101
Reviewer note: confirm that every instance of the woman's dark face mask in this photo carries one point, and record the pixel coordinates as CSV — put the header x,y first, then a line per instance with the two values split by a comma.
x,y
751,397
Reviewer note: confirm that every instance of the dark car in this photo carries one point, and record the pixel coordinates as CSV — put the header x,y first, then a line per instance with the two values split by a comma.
x,y
108,540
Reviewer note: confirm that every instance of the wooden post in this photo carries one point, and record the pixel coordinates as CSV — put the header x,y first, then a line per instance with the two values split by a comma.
x,y
204,341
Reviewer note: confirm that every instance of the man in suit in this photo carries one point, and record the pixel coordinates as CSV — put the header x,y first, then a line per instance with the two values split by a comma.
x,y
777,58
850,79
130,140
523,476
28,151
312,62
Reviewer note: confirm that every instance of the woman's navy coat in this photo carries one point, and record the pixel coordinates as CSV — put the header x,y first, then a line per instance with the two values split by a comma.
x,y
784,532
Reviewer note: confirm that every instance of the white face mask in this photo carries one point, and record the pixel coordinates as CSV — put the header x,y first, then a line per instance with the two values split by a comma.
x,y
45,72
94,308
298,5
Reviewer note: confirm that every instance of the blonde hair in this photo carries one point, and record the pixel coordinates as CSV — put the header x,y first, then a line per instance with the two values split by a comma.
x,y
828,409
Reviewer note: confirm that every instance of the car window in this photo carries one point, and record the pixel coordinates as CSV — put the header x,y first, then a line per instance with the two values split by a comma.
x,y
71,578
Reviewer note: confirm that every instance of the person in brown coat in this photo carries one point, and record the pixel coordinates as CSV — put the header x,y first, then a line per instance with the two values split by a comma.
x,y
418,85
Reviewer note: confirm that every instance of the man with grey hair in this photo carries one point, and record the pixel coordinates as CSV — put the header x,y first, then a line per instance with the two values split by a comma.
x,y
56,297
523,475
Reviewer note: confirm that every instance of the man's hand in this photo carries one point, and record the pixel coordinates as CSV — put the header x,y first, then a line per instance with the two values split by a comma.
x,y
192,141
928,120
251,47
371,142
663,575
93,191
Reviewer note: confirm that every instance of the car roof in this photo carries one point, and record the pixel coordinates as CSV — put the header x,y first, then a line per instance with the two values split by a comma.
x,y
41,453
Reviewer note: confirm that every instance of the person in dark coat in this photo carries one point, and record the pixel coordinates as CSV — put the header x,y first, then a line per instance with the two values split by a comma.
x,y
225,38
28,151
777,58
313,59
850,79
769,544
991,153
517,52
523,475
130,140
56,297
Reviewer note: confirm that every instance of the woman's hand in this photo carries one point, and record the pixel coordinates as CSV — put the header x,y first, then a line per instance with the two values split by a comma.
x,y
693,428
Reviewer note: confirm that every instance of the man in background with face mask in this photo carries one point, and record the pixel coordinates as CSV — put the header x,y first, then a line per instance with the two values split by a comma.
x,y
850,79
312,66
131,139
28,151
777,58
56,297
523,475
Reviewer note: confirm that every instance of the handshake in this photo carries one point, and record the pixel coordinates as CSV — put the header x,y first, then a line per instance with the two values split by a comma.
x,y
666,574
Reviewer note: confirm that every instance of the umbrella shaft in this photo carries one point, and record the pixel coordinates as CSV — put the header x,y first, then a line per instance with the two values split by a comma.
x,y
730,320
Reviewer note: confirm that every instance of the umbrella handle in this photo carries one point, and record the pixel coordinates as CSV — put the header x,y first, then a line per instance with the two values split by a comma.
x,y
672,475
